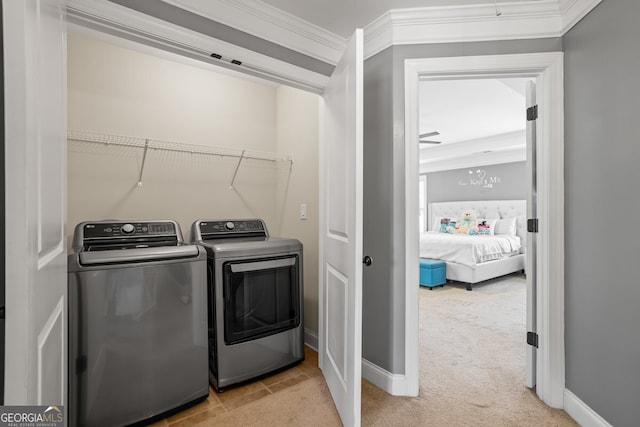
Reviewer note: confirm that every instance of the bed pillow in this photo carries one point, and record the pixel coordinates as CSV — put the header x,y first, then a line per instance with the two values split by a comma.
x,y
506,226
486,226
492,213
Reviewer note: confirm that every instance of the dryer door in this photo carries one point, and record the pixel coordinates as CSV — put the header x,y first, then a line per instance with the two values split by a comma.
x,y
261,297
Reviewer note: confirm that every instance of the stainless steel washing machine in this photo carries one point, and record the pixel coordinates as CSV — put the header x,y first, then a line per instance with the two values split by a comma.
x,y
137,323
255,299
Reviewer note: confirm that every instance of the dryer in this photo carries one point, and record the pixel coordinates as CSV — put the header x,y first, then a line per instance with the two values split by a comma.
x,y
255,295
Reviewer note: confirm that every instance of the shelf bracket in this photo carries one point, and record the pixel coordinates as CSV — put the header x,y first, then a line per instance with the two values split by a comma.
x,y
235,173
144,159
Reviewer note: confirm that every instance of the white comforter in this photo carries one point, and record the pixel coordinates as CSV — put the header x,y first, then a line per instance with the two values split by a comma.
x,y
467,250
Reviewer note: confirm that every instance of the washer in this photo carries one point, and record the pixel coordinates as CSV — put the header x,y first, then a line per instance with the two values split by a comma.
x,y
255,300
137,323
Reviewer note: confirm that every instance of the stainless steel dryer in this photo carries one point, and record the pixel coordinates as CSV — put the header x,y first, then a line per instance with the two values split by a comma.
x,y
137,323
255,299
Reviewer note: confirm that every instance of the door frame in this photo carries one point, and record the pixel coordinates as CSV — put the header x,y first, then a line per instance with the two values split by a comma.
x,y
547,69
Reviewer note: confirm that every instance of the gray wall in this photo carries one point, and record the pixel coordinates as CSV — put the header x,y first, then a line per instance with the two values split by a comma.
x,y
384,201
506,181
378,210
602,292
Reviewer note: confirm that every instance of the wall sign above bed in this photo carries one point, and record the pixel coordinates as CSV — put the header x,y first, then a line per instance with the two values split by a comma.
x,y
479,178
492,182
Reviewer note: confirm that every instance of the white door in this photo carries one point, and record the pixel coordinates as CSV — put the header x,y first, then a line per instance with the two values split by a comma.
x,y
531,246
340,329
35,141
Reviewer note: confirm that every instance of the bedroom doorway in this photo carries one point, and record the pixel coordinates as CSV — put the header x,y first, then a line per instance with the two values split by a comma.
x,y
546,70
474,157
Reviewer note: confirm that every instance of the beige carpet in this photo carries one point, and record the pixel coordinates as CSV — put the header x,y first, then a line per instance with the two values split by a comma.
x,y
472,363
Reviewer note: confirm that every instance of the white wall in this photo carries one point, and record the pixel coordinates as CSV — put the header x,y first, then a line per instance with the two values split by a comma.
x,y
298,134
119,91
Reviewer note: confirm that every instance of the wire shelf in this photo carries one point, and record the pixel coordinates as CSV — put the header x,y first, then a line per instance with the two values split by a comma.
x,y
179,147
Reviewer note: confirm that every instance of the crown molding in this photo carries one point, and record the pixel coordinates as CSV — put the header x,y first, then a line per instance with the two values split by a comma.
x,y
574,10
111,18
269,23
450,24
521,20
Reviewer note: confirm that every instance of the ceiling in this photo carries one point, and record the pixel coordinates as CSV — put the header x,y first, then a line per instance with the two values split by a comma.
x,y
342,17
463,110
480,121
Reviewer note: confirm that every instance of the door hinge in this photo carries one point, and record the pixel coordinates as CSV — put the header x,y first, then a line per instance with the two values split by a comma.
x,y
532,225
532,113
532,339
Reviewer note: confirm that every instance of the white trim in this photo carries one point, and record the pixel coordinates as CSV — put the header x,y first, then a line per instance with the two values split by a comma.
x,y
518,20
548,71
311,339
574,10
132,25
550,376
393,384
583,414
470,23
322,337
269,23
412,249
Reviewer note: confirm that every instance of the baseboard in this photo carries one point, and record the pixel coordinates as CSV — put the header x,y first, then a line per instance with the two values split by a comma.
x,y
393,384
583,414
311,339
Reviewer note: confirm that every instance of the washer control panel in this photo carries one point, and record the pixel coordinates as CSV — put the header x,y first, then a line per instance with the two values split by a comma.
x,y
105,229
232,228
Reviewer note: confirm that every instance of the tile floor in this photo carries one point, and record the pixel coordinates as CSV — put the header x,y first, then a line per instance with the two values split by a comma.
x,y
233,399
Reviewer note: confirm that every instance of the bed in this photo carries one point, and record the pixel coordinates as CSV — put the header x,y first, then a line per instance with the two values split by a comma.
x,y
474,259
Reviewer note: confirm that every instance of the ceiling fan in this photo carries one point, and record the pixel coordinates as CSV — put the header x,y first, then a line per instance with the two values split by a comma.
x,y
422,139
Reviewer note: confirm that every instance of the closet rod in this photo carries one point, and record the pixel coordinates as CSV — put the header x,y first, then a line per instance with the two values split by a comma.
x,y
130,141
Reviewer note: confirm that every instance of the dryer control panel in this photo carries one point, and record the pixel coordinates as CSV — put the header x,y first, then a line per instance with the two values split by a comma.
x,y
229,229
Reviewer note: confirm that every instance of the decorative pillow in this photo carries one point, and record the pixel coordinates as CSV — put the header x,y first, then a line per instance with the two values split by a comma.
x,y
506,226
438,220
486,226
447,224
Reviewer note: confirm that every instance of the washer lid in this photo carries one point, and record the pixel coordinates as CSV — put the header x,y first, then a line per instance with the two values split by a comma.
x,y
125,256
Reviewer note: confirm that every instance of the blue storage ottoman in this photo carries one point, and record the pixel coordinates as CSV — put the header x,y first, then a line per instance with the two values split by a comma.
x,y
433,272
